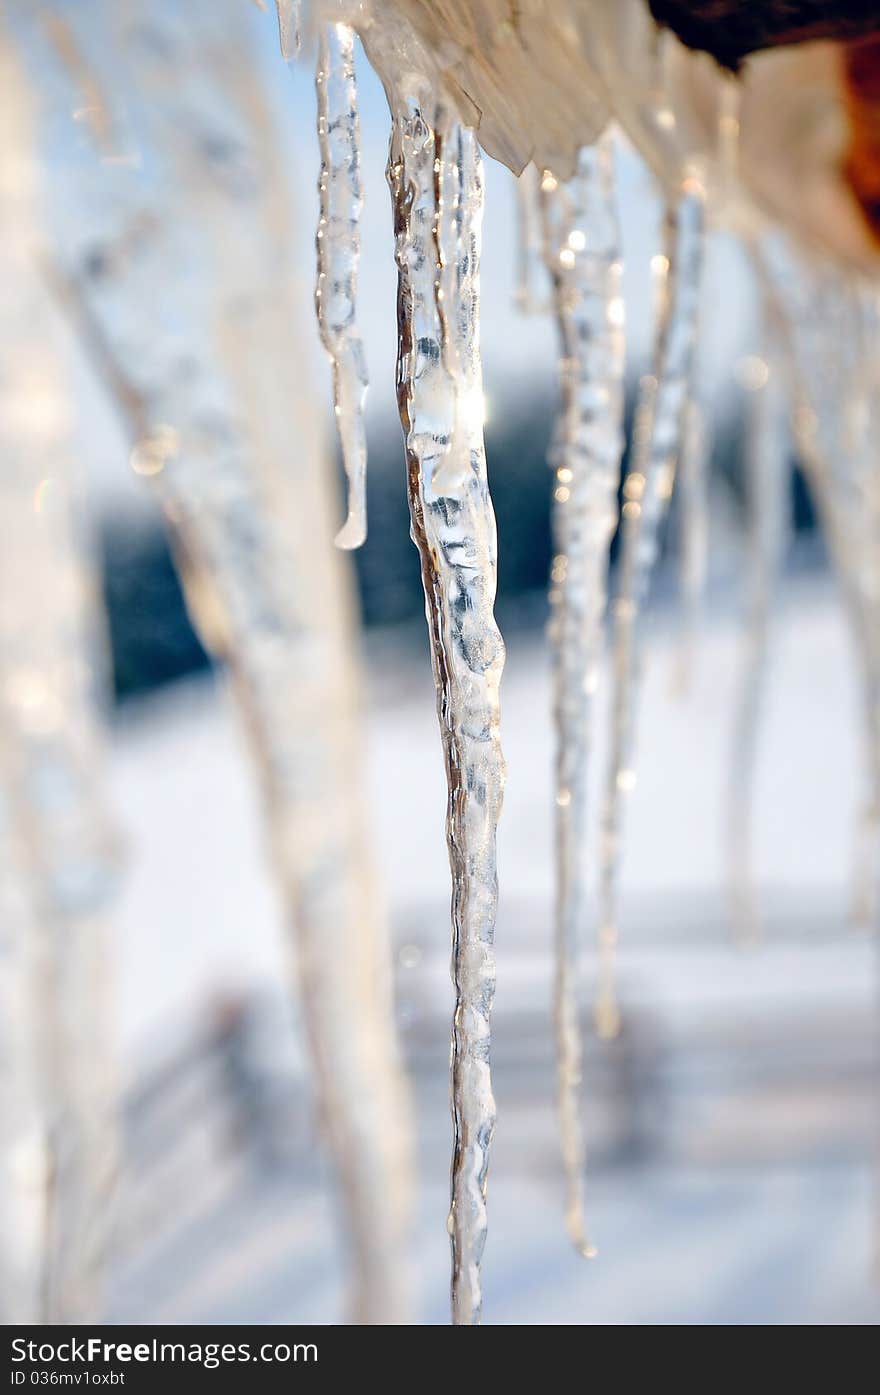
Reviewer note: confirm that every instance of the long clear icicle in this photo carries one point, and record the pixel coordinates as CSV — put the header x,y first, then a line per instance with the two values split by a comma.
x,y
767,531
338,245
435,166
582,256
647,490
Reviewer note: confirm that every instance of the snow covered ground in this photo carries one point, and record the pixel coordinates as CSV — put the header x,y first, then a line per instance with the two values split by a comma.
x,y
185,800
732,1130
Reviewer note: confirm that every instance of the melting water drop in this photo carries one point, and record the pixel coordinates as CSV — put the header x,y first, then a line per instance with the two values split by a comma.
x,y
338,246
768,531
432,161
647,490
582,256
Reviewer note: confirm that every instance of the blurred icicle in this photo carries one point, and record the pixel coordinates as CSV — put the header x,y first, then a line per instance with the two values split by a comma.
x,y
289,28
647,490
59,873
693,495
836,421
188,315
436,182
529,295
58,856
767,479
338,246
730,91
582,256
861,432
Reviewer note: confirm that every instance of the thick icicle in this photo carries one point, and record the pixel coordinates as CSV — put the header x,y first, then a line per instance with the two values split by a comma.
x,y
59,854
439,392
582,255
767,524
59,866
338,246
647,490
200,391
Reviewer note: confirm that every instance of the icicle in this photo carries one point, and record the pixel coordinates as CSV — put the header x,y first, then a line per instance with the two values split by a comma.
x,y
860,431
766,492
338,246
582,256
647,490
835,421
439,390
61,857
865,897
729,105
249,523
528,295
458,304
289,28
660,99
59,854
693,493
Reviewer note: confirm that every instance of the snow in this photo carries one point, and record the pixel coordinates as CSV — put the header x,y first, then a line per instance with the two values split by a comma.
x,y
728,1145
198,914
